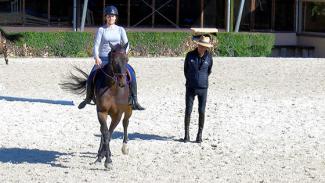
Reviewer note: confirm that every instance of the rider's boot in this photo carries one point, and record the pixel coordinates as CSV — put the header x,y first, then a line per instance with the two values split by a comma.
x,y
89,91
135,104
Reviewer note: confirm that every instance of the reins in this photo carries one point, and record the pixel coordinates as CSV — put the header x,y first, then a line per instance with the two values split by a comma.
x,y
114,74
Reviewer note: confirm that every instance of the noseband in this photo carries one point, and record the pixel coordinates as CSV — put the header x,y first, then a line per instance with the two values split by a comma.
x,y
116,75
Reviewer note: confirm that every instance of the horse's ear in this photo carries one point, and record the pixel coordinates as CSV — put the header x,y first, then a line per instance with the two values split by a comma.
x,y
112,46
125,46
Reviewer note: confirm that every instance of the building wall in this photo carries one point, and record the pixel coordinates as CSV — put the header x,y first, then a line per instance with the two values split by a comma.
x,y
285,39
317,42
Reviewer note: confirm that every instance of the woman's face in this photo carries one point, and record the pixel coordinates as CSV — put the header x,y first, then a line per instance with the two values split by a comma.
x,y
110,19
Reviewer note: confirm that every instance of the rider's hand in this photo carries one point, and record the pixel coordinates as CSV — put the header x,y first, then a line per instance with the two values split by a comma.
x,y
98,61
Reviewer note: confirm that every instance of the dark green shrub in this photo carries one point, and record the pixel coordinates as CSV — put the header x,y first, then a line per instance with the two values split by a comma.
x,y
63,44
244,44
158,43
77,44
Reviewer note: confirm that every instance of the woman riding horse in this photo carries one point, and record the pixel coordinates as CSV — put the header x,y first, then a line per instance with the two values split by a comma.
x,y
106,35
111,97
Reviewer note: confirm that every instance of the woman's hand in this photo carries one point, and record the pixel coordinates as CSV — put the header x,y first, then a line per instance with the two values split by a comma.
x,y
98,61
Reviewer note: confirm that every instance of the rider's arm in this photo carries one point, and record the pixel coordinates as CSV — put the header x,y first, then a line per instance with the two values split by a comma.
x,y
124,38
98,39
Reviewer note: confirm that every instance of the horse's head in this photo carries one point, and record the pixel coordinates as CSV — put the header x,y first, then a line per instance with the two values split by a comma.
x,y
118,61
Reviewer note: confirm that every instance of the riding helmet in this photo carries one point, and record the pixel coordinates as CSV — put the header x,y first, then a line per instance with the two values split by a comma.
x,y
111,10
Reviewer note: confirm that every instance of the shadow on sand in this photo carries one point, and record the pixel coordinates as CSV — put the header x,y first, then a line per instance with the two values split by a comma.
x,y
33,156
133,136
47,101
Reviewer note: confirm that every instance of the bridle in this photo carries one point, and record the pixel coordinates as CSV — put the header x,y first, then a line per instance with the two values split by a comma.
x,y
115,75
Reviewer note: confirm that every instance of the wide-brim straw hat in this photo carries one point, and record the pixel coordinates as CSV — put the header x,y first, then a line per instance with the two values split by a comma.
x,y
204,41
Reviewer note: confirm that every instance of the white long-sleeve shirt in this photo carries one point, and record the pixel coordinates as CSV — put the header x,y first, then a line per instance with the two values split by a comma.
x,y
113,34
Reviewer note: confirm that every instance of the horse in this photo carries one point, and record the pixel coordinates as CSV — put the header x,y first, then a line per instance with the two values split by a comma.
x,y
3,45
111,97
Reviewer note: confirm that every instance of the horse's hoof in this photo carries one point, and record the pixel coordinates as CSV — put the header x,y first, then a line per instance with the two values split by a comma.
x,y
198,140
98,160
125,149
185,140
108,163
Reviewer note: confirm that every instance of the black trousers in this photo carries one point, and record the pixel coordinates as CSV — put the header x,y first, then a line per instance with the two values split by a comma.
x,y
190,96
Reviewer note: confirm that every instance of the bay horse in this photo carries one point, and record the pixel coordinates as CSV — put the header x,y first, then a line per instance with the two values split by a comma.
x,y
111,91
3,45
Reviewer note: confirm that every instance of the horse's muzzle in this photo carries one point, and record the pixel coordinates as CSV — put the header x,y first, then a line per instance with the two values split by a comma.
x,y
121,80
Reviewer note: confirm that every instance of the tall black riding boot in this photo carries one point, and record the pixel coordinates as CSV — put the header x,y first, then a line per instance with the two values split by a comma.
x,y
201,124
89,91
135,104
187,126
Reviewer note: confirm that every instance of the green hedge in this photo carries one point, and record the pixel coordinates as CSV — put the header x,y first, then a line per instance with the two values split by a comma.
x,y
76,44
63,44
158,43
244,44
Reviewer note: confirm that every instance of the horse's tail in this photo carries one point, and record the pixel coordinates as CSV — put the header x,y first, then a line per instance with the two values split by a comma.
x,y
10,37
75,84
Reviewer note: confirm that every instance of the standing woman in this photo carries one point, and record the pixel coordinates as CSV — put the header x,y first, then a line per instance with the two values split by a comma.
x,y
108,34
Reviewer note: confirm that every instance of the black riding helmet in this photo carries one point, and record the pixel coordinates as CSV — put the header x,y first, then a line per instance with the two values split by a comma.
x,y
111,10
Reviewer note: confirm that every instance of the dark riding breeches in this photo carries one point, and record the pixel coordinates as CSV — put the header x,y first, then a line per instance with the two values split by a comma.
x,y
190,95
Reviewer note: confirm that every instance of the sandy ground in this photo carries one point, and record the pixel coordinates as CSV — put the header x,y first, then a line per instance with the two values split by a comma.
x,y
265,122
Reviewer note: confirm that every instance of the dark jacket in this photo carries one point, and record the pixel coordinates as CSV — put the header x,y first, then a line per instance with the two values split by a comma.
x,y
197,70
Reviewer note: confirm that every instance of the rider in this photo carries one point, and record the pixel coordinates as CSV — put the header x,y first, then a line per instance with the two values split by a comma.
x,y
114,34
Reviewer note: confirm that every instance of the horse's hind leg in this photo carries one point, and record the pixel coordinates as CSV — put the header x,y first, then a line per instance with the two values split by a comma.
x,y
5,53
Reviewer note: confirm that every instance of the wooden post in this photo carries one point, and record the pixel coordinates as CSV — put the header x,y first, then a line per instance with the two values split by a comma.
x,y
129,12
299,14
104,4
273,16
74,17
304,4
24,12
232,10
153,13
239,16
48,12
202,13
177,12
227,15
252,16
84,12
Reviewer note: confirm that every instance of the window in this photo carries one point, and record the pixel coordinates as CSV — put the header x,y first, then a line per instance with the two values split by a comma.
x,y
61,12
10,12
313,16
189,13
262,12
284,15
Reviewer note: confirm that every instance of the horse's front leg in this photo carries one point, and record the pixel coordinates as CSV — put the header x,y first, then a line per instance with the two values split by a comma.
x,y
105,138
127,115
125,149
100,154
115,120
